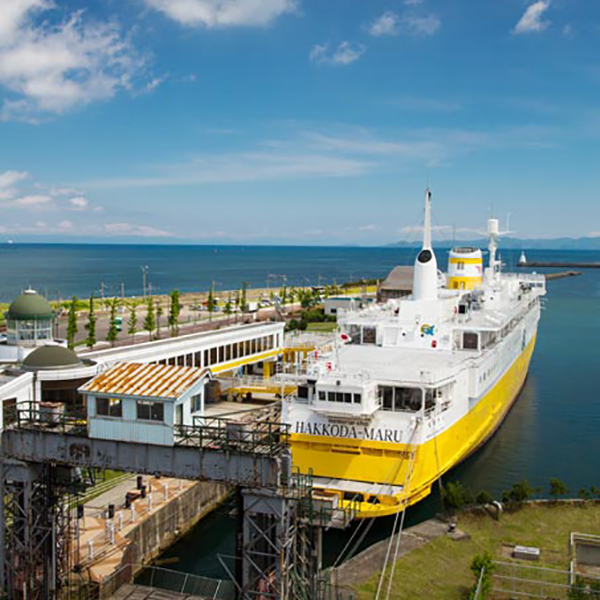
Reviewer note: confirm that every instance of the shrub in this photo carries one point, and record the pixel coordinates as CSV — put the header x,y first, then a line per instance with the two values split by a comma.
x,y
520,492
456,496
558,488
482,562
484,497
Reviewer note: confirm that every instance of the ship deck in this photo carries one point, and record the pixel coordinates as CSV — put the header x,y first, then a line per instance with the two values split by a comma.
x,y
401,364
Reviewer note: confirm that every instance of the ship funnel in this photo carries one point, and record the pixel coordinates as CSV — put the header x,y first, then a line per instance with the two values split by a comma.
x,y
425,279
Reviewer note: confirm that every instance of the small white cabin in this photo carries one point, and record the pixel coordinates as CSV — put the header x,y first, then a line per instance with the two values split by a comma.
x,y
141,403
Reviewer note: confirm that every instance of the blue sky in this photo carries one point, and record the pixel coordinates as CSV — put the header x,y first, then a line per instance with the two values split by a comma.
x,y
297,121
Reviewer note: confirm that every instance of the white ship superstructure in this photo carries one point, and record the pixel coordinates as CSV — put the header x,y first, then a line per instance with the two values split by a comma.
x,y
413,386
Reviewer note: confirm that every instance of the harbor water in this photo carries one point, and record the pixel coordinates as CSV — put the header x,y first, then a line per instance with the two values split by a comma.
x,y
553,430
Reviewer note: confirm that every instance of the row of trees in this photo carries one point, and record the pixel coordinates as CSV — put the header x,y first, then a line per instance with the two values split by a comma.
x,y
456,496
238,302
151,323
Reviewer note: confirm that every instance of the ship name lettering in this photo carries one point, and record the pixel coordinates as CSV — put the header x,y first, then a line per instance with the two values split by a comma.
x,y
349,431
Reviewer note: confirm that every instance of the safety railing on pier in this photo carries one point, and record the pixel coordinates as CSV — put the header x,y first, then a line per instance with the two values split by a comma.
x,y
215,433
179,582
34,415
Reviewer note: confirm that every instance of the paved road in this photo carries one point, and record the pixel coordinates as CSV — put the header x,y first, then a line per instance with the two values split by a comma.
x,y
189,322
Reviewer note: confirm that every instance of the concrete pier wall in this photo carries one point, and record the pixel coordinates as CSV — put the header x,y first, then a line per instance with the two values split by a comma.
x,y
164,526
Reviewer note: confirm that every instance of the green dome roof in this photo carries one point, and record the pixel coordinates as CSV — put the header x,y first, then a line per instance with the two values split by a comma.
x,y
51,357
29,306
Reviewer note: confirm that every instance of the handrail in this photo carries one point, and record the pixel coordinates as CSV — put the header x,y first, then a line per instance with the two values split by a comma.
x,y
258,436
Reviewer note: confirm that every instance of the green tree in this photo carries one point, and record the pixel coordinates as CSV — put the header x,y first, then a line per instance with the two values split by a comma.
x,y
484,497
520,492
132,321
335,288
210,303
159,314
150,320
482,567
90,326
244,297
557,488
174,312
228,308
112,333
456,496
584,494
72,323
283,294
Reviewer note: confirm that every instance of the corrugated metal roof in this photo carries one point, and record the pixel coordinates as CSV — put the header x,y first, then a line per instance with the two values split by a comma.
x,y
145,380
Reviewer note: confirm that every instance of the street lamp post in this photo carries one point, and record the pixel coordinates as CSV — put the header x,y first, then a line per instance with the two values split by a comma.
x,y
144,274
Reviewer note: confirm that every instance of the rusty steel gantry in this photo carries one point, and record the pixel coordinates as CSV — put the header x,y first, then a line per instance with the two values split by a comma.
x,y
278,541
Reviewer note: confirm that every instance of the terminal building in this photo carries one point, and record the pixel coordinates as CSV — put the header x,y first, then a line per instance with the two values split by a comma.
x,y
38,372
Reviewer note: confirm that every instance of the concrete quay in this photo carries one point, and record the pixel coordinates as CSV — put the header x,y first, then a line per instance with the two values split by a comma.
x,y
141,532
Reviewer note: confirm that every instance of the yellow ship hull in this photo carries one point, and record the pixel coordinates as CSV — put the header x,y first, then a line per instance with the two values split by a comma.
x,y
385,462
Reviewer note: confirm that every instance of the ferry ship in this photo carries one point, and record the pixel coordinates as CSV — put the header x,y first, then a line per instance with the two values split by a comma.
x,y
413,386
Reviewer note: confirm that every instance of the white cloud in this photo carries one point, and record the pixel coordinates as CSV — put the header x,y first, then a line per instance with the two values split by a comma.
x,y
79,203
420,25
7,180
223,13
127,229
413,2
246,166
344,54
50,68
154,83
33,201
386,24
390,23
532,19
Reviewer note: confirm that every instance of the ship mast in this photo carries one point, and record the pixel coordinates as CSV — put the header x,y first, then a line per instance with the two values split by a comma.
x,y
425,283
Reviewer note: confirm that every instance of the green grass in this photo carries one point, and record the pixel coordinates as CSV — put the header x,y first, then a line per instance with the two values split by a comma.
x,y
440,569
321,326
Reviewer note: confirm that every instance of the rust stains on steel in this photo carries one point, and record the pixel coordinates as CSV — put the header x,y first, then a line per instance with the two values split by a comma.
x,y
145,380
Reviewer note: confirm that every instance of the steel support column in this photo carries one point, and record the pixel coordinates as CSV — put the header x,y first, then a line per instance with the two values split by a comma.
x,y
34,525
279,549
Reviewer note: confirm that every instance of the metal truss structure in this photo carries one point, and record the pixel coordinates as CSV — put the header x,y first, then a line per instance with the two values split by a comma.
x,y
35,529
279,538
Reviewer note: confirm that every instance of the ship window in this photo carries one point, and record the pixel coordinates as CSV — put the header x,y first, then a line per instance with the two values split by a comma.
x,y
460,266
470,341
322,396
407,399
401,398
430,397
387,397
425,256
303,392
357,398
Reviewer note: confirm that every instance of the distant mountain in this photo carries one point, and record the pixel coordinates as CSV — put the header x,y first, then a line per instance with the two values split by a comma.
x,y
566,243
